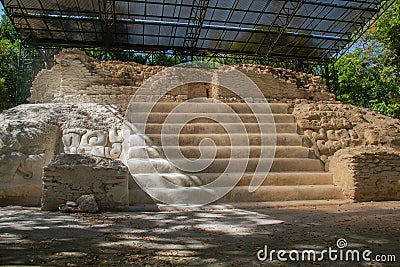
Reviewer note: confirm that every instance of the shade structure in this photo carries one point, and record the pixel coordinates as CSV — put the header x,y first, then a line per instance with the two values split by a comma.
x,y
309,29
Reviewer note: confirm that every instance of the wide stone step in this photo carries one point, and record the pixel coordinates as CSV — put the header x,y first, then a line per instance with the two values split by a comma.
x,y
283,193
272,178
278,165
205,128
227,140
193,152
276,108
156,117
241,205
220,165
241,194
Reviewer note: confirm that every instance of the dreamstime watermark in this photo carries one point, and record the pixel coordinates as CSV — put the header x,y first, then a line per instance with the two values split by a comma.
x,y
340,253
151,166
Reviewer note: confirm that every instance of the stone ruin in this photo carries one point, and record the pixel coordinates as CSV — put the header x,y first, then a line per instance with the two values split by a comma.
x,y
78,78
78,107
105,179
33,135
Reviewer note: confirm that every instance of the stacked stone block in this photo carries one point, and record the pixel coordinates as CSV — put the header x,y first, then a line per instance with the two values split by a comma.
x,y
71,176
331,126
77,78
368,173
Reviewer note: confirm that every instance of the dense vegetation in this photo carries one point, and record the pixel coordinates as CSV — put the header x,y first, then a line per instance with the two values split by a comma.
x,y
368,75
9,50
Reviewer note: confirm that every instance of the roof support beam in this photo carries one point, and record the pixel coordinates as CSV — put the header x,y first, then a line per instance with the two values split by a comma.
x,y
107,17
204,26
352,7
288,12
43,42
197,15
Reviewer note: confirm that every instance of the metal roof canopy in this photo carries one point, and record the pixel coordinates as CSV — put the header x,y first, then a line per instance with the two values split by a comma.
x,y
300,29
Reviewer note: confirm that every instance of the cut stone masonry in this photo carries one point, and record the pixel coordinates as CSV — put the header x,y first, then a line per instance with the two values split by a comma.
x,y
69,177
77,78
32,135
367,173
331,126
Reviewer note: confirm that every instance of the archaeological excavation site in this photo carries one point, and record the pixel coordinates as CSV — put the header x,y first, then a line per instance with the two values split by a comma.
x,y
69,140
199,133
182,127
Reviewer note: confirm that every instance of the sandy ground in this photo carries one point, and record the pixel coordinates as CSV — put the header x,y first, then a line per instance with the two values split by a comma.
x,y
227,237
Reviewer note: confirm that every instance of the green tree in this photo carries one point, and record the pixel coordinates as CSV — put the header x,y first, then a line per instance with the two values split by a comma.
x,y
387,32
9,50
369,75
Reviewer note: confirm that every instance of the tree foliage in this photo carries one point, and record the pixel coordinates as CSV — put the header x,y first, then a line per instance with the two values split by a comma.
x,y
387,32
9,50
369,75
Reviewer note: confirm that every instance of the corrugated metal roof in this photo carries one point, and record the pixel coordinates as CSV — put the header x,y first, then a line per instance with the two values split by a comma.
x,y
309,29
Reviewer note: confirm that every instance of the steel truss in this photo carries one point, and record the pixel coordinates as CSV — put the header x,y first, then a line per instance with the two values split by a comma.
x,y
299,29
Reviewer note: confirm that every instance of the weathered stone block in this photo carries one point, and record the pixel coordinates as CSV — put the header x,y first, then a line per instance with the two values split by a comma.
x,y
71,176
356,171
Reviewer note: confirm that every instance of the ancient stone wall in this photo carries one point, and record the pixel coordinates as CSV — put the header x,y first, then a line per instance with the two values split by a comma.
x,y
69,177
367,173
331,126
281,84
77,78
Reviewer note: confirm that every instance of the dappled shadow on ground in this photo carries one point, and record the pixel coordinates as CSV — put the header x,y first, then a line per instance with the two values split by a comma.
x,y
228,237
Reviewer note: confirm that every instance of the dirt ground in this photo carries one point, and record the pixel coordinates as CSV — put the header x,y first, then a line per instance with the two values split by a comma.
x,y
224,237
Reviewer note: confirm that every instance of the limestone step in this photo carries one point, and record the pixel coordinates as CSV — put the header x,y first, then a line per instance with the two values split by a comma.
x,y
203,128
278,164
227,140
283,193
193,152
156,117
272,178
276,108
241,205
241,194
220,165
295,174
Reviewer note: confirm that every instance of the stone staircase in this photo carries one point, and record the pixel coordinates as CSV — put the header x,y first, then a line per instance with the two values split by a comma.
x,y
295,173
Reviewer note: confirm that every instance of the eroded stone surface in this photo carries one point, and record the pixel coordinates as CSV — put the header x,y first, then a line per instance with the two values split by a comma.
x,y
78,78
31,135
331,126
367,173
85,203
279,84
69,177
94,142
